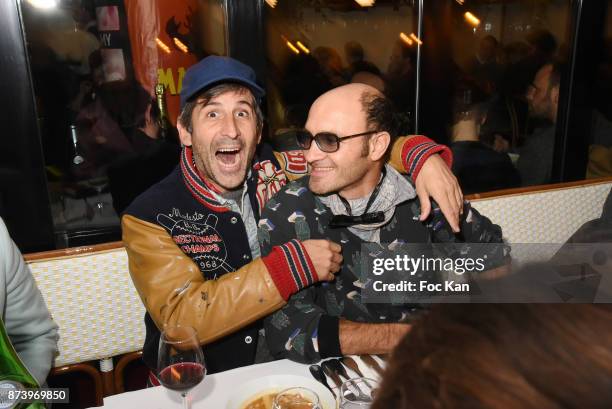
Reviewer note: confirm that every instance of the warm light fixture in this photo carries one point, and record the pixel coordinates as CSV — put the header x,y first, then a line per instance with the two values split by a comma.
x,y
292,47
416,39
460,2
162,45
181,46
406,39
43,4
471,19
271,3
302,47
365,3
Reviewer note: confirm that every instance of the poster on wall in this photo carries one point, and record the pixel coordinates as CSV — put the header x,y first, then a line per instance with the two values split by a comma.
x,y
162,35
115,51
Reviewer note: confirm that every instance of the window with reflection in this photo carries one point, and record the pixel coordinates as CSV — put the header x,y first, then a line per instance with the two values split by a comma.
x,y
315,45
491,77
107,76
599,103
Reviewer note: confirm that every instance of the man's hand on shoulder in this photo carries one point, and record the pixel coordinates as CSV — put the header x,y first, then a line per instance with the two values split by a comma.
x,y
326,257
436,180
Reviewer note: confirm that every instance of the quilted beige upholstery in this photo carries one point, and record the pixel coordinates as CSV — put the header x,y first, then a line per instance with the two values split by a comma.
x,y
93,300
550,216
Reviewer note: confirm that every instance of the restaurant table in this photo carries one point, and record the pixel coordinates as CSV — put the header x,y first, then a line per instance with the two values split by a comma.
x,y
215,390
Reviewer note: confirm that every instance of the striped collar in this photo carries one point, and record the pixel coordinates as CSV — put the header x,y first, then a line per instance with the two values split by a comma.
x,y
204,192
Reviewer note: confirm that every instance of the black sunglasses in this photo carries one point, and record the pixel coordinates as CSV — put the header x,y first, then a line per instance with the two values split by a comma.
x,y
326,141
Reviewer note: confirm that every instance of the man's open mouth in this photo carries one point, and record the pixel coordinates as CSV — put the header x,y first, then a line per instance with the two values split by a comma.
x,y
228,156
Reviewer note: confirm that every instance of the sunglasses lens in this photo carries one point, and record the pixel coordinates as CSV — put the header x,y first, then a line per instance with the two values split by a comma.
x,y
303,138
328,142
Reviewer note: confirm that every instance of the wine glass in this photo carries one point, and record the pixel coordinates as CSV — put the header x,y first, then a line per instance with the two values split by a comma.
x,y
296,398
180,360
357,393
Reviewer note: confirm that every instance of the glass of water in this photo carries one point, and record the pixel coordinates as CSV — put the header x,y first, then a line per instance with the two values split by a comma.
x,y
358,393
296,398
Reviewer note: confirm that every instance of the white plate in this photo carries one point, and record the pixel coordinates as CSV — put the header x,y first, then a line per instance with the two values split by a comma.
x,y
273,383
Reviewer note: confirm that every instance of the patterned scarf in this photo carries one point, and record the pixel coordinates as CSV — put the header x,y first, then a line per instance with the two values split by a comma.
x,y
197,185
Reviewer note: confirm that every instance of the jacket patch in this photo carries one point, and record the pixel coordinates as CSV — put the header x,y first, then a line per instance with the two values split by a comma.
x,y
200,241
295,162
270,180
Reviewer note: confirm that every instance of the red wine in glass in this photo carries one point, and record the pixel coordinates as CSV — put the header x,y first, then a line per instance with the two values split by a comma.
x,y
180,360
182,377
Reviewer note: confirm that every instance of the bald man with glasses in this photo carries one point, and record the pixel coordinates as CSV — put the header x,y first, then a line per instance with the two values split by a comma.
x,y
351,197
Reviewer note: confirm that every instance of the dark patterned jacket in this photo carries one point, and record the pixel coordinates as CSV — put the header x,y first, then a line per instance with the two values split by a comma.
x,y
306,329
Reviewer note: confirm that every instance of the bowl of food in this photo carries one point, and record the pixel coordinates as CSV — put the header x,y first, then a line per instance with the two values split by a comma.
x,y
260,393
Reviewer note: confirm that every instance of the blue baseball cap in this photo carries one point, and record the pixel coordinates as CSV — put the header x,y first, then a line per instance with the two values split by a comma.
x,y
214,70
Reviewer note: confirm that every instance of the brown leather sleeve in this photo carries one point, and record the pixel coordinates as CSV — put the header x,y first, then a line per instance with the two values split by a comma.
x,y
173,289
395,159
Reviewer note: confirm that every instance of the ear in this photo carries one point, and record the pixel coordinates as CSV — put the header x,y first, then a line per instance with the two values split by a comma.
x,y
184,134
378,145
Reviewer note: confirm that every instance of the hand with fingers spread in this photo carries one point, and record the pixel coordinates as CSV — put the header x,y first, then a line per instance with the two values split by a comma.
x,y
436,180
326,256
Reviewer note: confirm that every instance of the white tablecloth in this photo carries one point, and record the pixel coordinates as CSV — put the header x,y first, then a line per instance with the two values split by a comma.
x,y
215,390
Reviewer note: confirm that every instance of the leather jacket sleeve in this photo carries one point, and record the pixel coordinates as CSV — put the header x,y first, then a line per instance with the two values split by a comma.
x,y
174,290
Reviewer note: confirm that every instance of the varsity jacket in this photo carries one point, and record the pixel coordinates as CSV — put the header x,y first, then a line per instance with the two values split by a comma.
x,y
190,260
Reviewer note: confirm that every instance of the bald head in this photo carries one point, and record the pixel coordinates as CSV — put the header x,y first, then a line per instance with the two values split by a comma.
x,y
345,110
361,118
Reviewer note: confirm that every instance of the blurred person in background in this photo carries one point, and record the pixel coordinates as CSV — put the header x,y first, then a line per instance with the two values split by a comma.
x,y
536,155
476,164
400,77
151,159
331,64
500,356
25,315
355,59
483,67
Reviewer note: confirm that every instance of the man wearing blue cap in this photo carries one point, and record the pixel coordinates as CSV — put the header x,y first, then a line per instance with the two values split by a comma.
x,y
192,238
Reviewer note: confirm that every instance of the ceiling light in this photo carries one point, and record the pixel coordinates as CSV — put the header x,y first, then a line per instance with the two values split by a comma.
x,y
162,45
181,46
406,39
292,47
416,39
302,47
43,4
365,3
471,19
271,3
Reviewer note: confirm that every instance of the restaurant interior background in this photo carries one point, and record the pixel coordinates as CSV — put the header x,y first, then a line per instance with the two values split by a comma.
x,y
79,107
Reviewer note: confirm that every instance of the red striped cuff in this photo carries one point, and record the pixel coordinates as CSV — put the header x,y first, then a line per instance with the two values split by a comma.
x,y
290,267
418,149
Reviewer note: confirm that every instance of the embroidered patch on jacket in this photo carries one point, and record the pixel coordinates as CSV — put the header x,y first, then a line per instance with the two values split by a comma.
x,y
295,162
200,241
270,180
